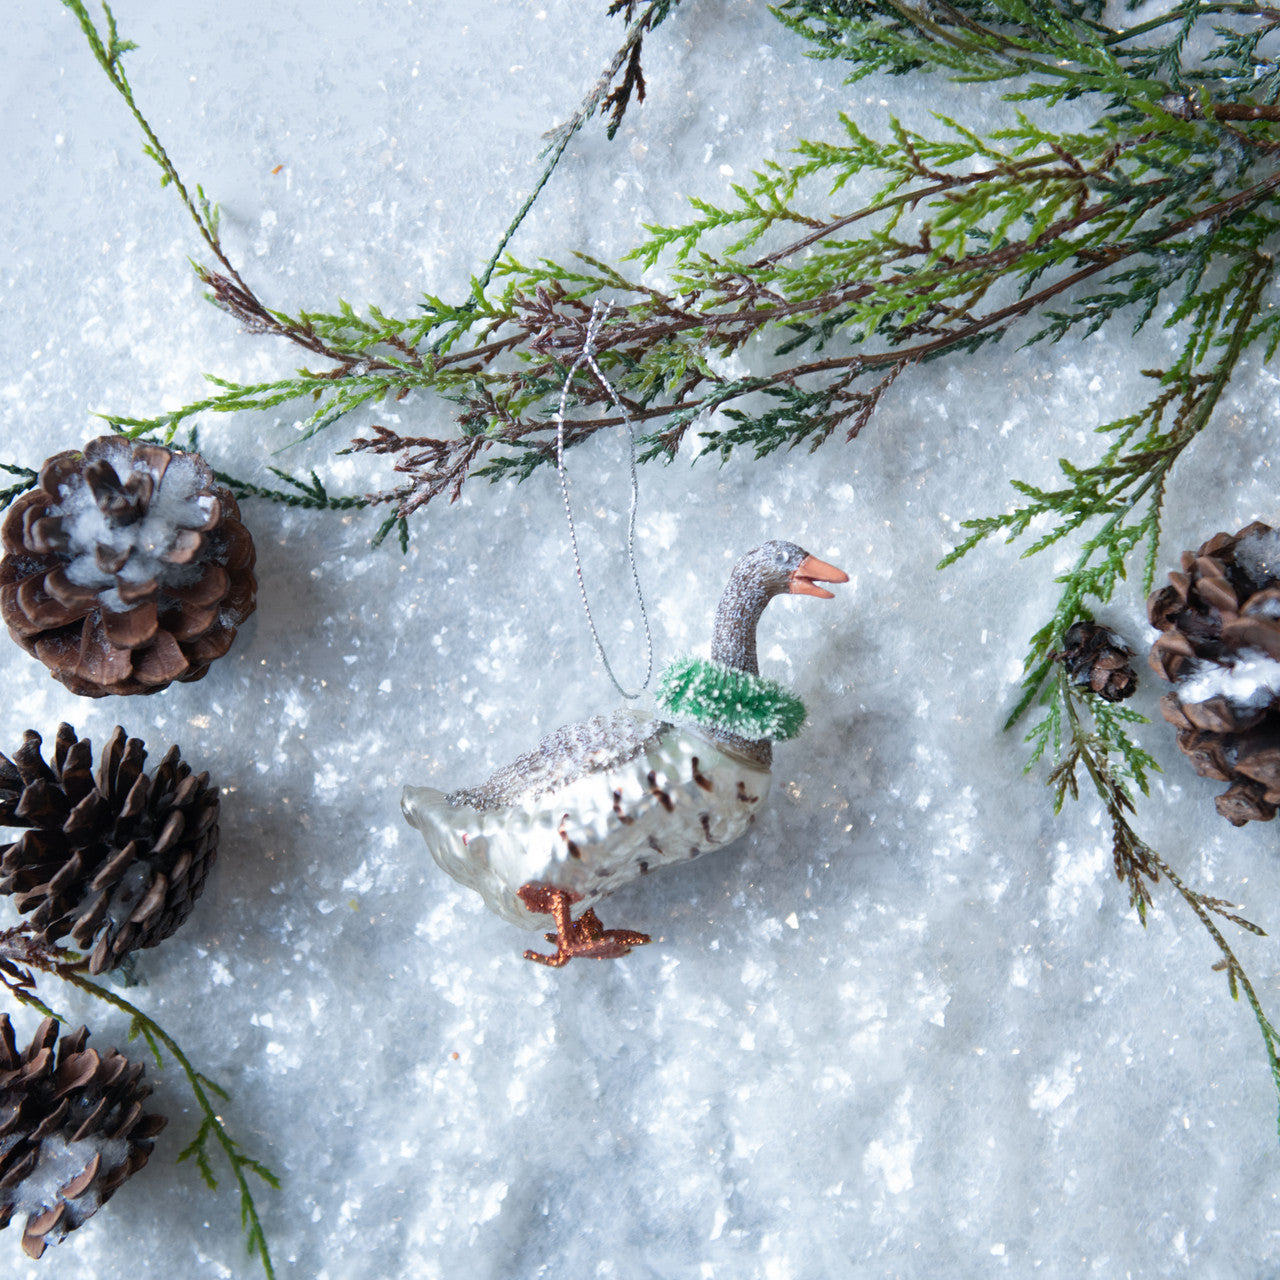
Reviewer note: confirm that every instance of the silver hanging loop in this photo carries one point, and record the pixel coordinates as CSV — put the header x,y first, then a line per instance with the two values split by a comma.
x,y
587,356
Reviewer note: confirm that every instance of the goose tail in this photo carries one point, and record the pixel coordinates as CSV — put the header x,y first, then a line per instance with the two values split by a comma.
x,y
420,805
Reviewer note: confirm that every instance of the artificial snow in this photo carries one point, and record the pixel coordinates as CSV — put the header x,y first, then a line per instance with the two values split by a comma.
x,y
175,505
966,1041
60,1162
1259,556
1252,680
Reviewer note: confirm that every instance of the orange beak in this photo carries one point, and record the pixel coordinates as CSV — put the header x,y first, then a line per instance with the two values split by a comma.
x,y
804,581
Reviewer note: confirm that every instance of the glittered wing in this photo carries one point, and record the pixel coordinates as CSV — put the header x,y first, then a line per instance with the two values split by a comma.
x,y
572,751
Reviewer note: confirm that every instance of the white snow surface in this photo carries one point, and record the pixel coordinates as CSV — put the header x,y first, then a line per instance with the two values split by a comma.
x,y
908,1026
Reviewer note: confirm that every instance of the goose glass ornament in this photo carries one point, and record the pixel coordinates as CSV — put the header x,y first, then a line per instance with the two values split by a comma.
x,y
596,804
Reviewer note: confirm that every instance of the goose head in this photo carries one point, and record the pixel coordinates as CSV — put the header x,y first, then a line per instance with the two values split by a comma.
x,y
779,568
772,569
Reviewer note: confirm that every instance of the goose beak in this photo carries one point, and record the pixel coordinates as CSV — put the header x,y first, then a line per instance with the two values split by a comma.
x,y
804,581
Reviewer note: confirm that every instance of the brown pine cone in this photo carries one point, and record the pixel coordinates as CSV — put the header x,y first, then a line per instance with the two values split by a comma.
x,y
126,568
1220,648
117,863
71,1130
1098,660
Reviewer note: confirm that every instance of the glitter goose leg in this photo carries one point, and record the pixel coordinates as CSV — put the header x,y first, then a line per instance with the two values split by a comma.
x,y
585,938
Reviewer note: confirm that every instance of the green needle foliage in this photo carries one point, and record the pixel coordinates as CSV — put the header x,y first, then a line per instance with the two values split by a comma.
x,y
958,237
26,479
1086,734
855,261
212,1132
370,358
23,954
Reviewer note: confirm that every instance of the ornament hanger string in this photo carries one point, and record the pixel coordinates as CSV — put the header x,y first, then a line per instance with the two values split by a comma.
x,y
587,356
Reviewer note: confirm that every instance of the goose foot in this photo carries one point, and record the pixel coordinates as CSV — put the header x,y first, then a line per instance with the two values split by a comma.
x,y
585,938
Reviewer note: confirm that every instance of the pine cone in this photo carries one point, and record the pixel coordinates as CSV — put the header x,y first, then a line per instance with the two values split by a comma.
x,y
1220,648
1097,659
71,1131
117,864
126,568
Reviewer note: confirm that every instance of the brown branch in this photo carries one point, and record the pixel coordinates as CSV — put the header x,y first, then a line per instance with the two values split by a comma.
x,y
1245,111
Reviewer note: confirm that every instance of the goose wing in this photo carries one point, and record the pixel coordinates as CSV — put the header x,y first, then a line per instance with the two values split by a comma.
x,y
573,751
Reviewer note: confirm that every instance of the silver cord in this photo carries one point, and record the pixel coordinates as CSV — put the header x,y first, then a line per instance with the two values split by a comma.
x,y
587,356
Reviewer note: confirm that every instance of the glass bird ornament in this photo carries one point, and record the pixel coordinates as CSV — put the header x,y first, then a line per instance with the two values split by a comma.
x,y
599,803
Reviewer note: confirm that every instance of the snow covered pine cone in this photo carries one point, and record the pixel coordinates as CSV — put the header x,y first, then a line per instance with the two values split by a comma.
x,y
117,863
126,568
1220,647
72,1130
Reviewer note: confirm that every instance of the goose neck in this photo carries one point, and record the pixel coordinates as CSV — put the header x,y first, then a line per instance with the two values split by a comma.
x,y
734,638
734,644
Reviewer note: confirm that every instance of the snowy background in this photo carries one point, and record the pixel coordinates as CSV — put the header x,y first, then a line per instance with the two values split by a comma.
x,y
909,1025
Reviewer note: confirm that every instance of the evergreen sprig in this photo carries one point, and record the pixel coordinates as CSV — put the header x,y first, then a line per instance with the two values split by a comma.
x,y
1124,490
372,357
1209,278
1163,202
1087,734
212,1131
23,954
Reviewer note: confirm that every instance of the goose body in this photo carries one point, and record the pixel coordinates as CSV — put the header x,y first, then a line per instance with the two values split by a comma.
x,y
592,807
599,803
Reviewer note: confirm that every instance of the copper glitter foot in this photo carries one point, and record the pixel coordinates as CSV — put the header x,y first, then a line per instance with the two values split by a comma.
x,y
585,937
